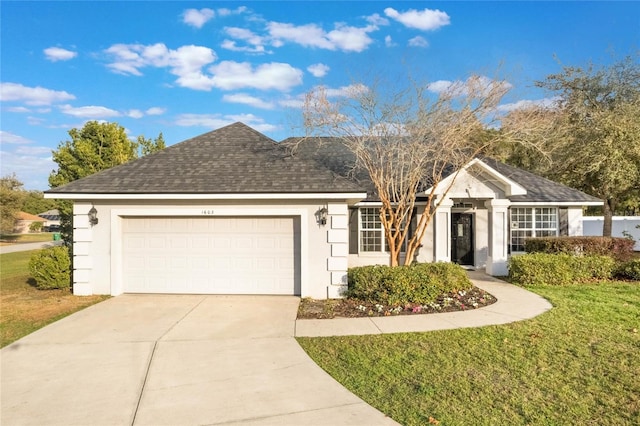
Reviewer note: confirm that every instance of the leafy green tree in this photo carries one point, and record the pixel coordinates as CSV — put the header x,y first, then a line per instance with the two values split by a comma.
x,y
35,203
596,132
95,147
148,146
11,198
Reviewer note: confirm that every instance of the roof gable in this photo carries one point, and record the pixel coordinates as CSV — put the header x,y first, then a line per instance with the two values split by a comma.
x,y
233,159
28,217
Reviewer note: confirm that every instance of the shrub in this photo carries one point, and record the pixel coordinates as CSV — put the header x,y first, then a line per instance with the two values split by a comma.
x,y
558,269
35,227
629,270
51,268
618,248
396,286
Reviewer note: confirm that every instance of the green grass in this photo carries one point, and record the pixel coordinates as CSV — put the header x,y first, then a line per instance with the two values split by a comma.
x,y
576,364
14,265
23,308
26,238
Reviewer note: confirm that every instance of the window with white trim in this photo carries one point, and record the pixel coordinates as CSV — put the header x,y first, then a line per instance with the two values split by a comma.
x,y
528,222
371,232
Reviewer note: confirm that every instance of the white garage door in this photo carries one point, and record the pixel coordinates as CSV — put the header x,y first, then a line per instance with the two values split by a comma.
x,y
241,255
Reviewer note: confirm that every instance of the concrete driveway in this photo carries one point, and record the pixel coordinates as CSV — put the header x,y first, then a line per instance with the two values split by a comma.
x,y
179,360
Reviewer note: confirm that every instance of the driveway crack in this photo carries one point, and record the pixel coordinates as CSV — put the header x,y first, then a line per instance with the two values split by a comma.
x,y
153,352
144,382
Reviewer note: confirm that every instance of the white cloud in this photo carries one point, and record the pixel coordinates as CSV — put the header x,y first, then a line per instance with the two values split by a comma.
x,y
19,109
186,62
418,41
32,150
546,103
229,75
255,41
197,18
135,113
477,84
388,41
32,95
35,121
31,166
292,102
58,54
231,45
350,90
155,111
439,86
215,121
426,20
8,137
318,70
246,99
343,37
91,111
376,19
236,11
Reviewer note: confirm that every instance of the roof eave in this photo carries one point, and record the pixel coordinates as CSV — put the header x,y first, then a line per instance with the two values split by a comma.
x,y
206,196
558,203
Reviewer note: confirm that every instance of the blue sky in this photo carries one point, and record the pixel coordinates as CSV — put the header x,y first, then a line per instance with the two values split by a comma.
x,y
185,68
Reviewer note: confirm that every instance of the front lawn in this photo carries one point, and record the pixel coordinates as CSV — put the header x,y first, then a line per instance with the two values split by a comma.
x,y
23,308
40,237
576,364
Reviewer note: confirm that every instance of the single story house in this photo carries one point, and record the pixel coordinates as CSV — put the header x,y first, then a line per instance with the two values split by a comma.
x,y
52,218
234,212
24,221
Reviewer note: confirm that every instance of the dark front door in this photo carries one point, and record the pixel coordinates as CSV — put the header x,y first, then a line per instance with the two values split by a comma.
x,y
462,238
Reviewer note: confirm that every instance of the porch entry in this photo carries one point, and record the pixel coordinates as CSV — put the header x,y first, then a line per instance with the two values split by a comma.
x,y
462,238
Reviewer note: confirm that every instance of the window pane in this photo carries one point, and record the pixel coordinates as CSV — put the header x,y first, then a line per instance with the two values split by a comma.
x,y
517,239
370,218
371,241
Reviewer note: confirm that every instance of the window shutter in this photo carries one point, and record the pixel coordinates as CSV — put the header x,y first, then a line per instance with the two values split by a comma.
x,y
353,231
563,218
413,223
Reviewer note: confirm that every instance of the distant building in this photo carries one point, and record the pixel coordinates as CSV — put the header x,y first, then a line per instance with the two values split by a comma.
x,y
52,218
24,221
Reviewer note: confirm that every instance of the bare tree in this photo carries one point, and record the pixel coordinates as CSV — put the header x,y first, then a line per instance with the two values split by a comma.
x,y
408,141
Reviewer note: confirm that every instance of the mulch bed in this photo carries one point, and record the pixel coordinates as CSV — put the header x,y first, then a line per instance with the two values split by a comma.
x,y
350,308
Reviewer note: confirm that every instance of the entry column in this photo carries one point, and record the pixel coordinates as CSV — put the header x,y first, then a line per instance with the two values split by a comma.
x,y
498,237
442,230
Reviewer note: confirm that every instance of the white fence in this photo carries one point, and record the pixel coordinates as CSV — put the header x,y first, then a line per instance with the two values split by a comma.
x,y
592,225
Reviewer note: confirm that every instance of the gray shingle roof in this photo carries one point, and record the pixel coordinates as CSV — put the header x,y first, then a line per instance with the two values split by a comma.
x,y
538,188
237,159
331,153
233,159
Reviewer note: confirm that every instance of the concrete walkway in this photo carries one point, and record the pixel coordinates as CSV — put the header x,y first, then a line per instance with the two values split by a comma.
x,y
514,304
204,360
12,248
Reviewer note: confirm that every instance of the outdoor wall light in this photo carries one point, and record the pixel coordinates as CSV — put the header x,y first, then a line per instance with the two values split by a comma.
x,y
321,216
93,216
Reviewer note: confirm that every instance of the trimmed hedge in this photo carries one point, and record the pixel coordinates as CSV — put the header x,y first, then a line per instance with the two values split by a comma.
x,y
559,269
629,270
396,286
51,268
619,248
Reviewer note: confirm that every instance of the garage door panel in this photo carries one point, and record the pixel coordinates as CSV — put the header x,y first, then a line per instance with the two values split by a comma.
x,y
211,255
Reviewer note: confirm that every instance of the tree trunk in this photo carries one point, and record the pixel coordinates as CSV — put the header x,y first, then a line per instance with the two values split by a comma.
x,y
609,206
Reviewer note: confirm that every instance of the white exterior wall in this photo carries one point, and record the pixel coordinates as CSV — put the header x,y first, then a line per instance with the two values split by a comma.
x,y
575,221
97,249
